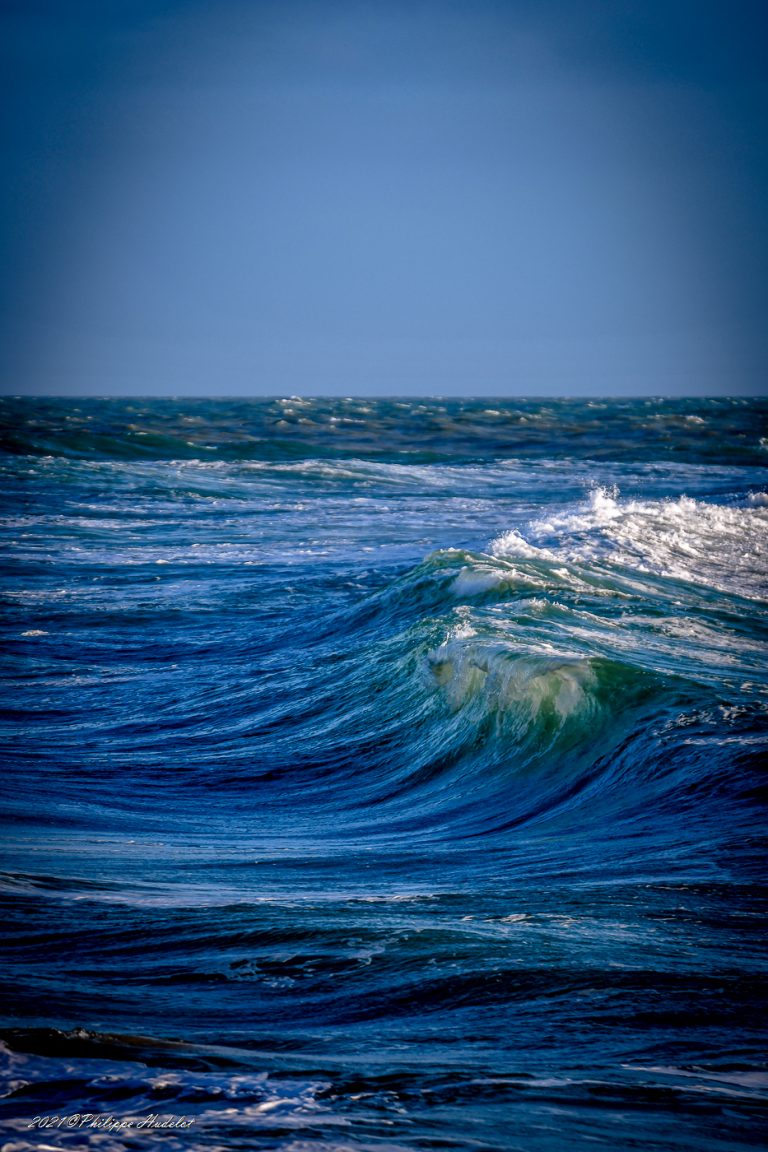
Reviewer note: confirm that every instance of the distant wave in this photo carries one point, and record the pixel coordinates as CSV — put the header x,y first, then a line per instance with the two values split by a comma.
x,y
435,430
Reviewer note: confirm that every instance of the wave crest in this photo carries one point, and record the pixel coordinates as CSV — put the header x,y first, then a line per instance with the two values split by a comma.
x,y
689,540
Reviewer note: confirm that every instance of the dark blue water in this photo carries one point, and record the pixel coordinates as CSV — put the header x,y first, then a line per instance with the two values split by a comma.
x,y
386,776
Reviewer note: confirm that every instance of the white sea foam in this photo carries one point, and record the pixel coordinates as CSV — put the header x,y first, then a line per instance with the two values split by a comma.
x,y
722,546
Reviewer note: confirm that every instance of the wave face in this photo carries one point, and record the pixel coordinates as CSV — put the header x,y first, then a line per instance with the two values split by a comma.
x,y
386,775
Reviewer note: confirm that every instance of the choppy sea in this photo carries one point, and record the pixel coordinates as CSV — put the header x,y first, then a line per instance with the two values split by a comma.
x,y
385,776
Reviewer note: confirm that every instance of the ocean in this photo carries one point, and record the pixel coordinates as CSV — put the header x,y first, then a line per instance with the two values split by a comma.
x,y
384,775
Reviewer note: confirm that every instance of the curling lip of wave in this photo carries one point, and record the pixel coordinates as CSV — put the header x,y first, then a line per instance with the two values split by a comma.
x,y
467,668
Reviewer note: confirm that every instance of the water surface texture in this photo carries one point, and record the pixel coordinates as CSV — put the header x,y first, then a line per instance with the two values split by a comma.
x,y
386,776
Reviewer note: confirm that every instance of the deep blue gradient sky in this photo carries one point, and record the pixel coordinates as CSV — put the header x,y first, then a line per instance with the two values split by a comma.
x,y
523,198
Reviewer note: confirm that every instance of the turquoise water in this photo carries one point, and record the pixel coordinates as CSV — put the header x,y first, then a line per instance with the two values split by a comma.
x,y
386,775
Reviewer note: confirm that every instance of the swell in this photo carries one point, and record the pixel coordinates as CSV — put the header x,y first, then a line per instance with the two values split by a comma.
x,y
581,663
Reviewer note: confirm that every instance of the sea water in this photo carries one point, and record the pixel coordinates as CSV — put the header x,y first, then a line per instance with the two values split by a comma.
x,y
384,776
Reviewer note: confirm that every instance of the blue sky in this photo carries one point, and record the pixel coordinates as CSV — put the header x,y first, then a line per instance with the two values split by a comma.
x,y
540,197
